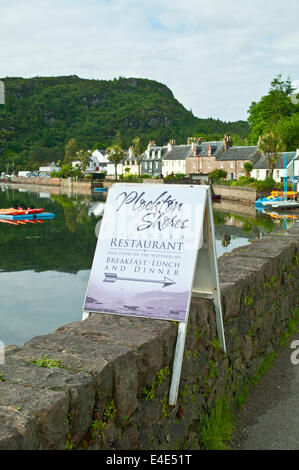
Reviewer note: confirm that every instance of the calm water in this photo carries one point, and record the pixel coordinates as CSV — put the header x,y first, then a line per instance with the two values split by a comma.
x,y
44,267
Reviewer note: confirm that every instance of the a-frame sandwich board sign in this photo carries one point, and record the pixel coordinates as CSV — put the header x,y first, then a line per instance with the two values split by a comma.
x,y
156,248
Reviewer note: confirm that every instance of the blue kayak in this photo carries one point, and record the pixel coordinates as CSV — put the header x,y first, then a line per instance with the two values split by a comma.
x,y
43,215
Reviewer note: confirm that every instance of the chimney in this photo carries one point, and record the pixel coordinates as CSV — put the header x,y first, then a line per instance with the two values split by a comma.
x,y
170,144
209,151
198,140
227,141
194,149
151,143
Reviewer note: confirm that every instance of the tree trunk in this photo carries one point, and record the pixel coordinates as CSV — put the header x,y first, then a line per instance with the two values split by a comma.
x,y
115,166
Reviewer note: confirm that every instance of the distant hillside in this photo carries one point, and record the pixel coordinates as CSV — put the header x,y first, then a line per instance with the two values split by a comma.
x,y
41,114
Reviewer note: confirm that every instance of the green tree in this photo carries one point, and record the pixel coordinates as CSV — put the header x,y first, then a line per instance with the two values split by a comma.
x,y
271,108
288,128
115,155
83,157
138,150
248,168
270,145
71,149
217,175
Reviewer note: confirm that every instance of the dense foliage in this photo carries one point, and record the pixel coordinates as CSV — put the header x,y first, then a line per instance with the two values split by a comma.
x,y
42,114
276,114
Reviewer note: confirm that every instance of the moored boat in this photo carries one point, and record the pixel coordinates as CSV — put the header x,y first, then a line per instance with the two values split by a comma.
x,y
282,204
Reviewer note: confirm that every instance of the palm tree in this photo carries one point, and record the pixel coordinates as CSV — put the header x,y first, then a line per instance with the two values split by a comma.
x,y
137,152
115,155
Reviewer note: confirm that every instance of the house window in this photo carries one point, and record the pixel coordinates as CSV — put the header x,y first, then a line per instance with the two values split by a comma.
x,y
242,164
232,164
157,165
257,174
145,165
221,165
277,173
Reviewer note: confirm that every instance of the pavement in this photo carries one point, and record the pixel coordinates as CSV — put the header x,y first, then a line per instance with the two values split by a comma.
x,y
269,419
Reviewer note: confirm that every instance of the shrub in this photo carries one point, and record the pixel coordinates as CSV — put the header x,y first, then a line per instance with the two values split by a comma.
x,y
243,181
267,183
218,175
179,176
176,176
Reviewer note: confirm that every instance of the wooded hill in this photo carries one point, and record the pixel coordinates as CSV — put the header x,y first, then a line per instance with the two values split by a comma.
x,y
41,114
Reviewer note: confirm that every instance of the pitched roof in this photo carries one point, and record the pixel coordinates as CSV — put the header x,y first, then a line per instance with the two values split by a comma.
x,y
262,162
178,152
217,148
156,149
239,153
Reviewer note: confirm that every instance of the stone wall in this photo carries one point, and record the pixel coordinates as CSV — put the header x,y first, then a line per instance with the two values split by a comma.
x,y
236,193
83,187
36,180
109,389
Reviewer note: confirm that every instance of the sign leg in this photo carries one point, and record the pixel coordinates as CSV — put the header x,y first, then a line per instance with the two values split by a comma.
x,y
177,363
85,315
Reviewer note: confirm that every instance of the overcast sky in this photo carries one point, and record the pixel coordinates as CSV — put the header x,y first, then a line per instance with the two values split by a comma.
x,y
217,56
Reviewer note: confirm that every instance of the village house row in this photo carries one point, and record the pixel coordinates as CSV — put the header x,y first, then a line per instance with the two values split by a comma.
x,y
196,157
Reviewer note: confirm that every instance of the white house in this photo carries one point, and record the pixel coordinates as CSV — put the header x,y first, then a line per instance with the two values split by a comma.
x,y
128,162
98,161
296,165
174,160
47,170
261,167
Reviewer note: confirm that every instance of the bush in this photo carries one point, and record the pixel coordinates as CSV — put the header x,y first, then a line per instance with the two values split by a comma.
x,y
218,175
145,175
179,176
55,174
67,171
176,176
243,181
265,184
129,177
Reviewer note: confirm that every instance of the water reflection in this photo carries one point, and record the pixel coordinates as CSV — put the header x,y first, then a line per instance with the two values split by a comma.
x,y
44,268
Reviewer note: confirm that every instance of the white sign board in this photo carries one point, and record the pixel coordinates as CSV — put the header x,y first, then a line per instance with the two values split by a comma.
x,y
156,249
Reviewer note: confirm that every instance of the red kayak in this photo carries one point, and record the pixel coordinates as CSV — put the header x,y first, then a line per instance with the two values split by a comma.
x,y
11,222
20,211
